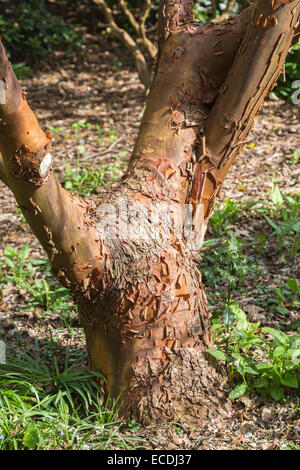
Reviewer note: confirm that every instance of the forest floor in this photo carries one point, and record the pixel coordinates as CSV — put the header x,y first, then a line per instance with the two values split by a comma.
x,y
91,102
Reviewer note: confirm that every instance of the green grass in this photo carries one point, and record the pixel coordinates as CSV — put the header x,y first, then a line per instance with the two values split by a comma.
x,y
32,277
48,401
46,406
87,180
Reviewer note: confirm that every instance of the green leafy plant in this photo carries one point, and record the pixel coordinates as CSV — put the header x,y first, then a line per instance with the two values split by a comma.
x,y
57,131
282,213
29,30
78,127
224,216
285,220
86,180
223,261
31,275
292,73
262,360
287,294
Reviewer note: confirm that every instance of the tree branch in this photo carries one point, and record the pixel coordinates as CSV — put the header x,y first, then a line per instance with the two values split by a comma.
x,y
58,219
140,26
128,42
214,8
129,16
254,72
150,47
230,4
296,37
184,89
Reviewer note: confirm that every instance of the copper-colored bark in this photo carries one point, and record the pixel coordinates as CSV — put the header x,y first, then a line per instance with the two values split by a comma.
x,y
140,297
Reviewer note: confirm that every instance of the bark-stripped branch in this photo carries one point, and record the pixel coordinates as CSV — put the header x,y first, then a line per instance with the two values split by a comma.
x,y
58,219
257,65
224,15
150,47
128,41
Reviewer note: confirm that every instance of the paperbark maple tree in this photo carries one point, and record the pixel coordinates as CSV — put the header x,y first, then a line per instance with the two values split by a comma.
x,y
139,291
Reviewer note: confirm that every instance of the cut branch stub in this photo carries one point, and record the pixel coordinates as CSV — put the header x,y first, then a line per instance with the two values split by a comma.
x,y
60,220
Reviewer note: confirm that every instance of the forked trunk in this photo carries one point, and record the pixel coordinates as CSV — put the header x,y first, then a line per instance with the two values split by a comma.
x,y
131,263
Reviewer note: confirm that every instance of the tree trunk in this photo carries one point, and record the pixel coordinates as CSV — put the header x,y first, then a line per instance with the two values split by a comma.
x,y
132,263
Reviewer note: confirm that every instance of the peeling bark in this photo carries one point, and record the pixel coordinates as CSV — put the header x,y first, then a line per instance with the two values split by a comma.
x,y
140,296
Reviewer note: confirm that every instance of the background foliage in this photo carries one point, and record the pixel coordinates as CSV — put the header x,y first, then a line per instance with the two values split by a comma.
x,y
30,32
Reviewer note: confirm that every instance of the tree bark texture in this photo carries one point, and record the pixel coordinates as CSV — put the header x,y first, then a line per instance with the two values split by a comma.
x,y
140,296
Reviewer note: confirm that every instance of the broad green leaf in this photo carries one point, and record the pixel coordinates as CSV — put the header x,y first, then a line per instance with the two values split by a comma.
x,y
39,262
227,316
271,223
294,355
9,262
279,335
24,252
296,226
218,354
238,391
276,196
238,311
282,310
250,370
293,285
261,238
211,242
279,351
276,393
31,436
262,382
264,366
10,252
242,323
279,294
290,380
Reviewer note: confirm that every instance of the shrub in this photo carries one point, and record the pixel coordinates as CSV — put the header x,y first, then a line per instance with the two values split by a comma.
x,y
30,31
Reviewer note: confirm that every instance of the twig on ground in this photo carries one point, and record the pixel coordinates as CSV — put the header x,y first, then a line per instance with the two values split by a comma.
x,y
106,152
